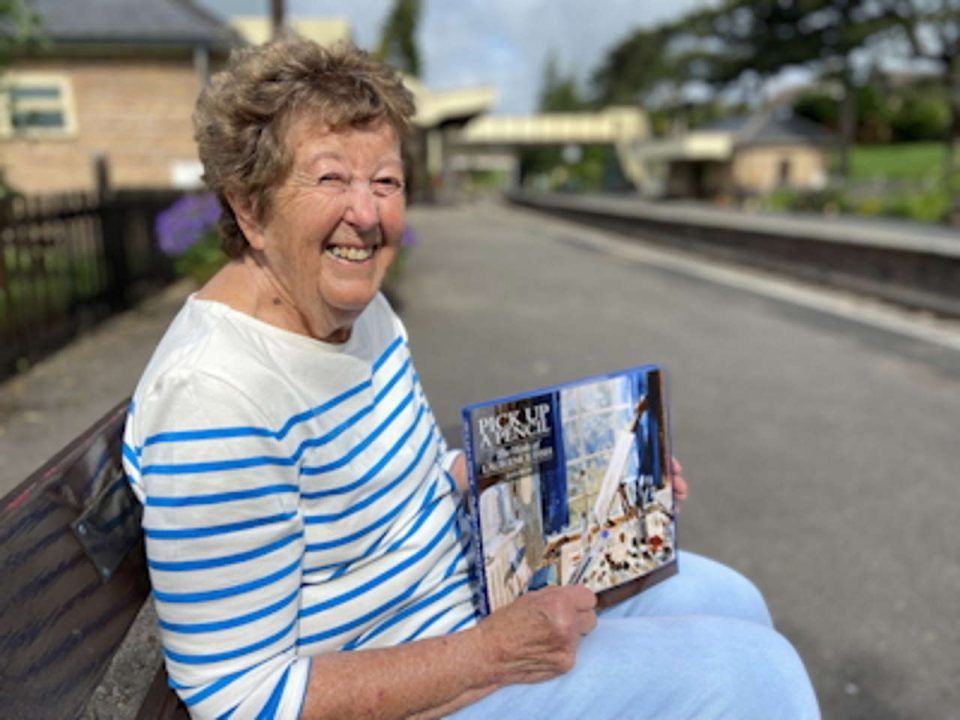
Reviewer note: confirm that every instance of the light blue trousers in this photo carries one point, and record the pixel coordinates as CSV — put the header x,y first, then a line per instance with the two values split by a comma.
x,y
699,646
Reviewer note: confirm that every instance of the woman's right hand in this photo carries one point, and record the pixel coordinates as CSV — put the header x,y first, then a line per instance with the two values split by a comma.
x,y
535,637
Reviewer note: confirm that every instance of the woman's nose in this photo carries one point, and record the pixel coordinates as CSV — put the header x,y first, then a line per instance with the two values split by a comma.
x,y
362,211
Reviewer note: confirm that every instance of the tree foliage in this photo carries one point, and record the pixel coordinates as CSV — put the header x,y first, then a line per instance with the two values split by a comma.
x,y
765,36
18,26
931,29
916,112
558,93
637,66
742,43
398,37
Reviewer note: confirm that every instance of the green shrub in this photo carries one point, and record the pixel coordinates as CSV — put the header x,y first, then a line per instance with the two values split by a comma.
x,y
870,206
923,207
895,180
930,206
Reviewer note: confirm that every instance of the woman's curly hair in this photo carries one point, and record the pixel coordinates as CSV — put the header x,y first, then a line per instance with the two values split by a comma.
x,y
243,113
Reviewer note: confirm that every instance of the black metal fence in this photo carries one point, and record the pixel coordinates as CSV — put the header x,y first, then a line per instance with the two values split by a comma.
x,y
68,261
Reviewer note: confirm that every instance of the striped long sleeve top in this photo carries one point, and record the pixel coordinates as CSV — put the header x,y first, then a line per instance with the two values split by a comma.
x,y
297,501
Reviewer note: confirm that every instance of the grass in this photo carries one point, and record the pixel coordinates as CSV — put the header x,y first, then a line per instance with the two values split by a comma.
x,y
903,181
902,162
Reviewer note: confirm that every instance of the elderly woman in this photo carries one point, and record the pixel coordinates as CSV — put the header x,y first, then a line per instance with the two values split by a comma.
x,y
301,511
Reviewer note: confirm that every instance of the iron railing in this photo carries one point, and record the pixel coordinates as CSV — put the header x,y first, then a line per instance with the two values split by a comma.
x,y
70,260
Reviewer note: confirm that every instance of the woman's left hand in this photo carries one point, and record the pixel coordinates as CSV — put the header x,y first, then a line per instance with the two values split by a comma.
x,y
459,472
681,491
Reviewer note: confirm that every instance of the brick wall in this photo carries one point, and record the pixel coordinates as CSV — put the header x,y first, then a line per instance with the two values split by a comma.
x,y
136,112
757,169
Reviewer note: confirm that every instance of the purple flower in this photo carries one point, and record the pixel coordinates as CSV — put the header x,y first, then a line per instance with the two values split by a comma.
x,y
184,223
409,237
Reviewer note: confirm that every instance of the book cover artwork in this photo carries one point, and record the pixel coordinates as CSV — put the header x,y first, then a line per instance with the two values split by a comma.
x,y
571,484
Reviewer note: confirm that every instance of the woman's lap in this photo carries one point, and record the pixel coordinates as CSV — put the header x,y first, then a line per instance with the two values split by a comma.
x,y
701,587
698,645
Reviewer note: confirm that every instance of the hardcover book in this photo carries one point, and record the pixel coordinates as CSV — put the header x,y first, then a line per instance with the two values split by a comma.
x,y
571,484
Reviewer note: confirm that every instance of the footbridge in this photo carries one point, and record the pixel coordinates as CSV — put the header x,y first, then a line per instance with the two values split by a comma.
x,y
622,127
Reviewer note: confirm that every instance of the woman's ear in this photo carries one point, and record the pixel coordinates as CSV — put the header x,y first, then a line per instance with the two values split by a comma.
x,y
247,220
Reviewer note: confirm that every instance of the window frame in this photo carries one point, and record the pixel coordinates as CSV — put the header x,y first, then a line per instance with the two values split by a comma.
x,y
63,103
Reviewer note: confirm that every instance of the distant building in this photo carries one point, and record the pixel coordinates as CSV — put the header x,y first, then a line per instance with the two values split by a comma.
x,y
440,117
110,78
738,156
257,29
118,79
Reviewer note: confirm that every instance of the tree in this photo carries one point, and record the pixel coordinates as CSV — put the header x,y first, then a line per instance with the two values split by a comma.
x,y
18,26
661,69
886,112
757,39
931,28
558,93
398,41
738,44
637,66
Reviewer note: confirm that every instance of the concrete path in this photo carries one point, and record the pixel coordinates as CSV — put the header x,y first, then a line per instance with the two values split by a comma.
x,y
819,436
44,408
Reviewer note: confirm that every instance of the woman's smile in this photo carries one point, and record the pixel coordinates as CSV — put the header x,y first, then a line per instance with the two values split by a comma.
x,y
352,254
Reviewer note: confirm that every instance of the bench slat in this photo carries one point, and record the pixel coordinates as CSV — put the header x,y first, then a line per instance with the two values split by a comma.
x,y
60,620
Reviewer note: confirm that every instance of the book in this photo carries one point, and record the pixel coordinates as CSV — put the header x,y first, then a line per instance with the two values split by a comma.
x,y
572,483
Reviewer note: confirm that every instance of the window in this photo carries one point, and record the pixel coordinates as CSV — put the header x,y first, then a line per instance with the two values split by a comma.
x,y
36,105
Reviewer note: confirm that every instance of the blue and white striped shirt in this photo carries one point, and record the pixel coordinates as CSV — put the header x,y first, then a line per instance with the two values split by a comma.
x,y
296,501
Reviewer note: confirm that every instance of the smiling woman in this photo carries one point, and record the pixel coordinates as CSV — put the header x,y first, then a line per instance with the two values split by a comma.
x,y
319,255
308,170
303,516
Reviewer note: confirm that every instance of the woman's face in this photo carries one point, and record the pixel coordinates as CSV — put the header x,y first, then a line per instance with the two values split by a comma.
x,y
333,227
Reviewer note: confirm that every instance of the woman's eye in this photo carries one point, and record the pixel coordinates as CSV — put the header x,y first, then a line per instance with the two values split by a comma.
x,y
332,181
387,185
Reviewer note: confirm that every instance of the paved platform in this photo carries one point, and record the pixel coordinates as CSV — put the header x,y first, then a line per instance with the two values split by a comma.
x,y
42,409
822,446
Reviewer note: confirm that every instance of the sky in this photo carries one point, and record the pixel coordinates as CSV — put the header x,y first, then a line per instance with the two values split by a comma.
x,y
503,44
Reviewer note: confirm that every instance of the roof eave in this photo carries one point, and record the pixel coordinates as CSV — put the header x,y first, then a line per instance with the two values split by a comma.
x,y
124,47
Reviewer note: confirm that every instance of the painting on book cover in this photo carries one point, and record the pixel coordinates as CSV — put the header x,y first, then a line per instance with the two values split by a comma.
x,y
573,486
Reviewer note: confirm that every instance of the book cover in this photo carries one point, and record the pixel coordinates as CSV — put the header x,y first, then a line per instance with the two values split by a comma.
x,y
571,484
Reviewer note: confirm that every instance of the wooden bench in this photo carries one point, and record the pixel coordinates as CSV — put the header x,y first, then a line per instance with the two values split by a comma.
x,y
74,579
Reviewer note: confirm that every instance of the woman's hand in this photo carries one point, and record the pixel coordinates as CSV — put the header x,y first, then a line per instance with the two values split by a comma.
x,y
532,639
681,491
459,472
535,638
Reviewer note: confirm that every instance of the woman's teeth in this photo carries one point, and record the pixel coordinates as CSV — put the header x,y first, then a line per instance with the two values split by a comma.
x,y
354,254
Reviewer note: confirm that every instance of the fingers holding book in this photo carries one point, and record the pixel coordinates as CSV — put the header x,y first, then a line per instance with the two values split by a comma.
x,y
536,637
681,490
